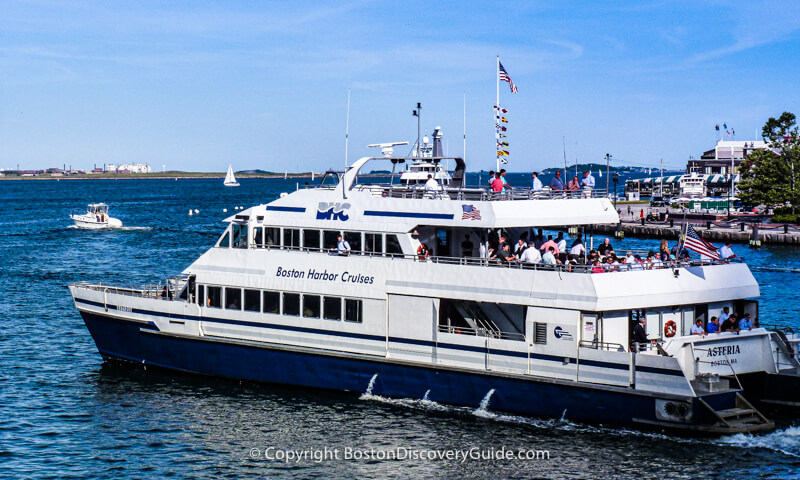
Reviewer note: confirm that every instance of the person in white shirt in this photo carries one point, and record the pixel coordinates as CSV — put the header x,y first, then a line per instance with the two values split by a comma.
x,y
561,242
697,328
726,252
431,187
531,255
342,247
588,180
726,312
537,184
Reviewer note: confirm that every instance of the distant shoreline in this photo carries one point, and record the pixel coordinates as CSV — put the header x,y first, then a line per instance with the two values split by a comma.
x,y
154,176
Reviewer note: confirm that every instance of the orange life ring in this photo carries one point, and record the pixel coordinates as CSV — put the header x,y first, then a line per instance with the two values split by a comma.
x,y
423,252
670,328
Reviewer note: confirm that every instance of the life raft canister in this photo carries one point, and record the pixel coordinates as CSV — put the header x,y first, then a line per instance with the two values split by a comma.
x,y
670,328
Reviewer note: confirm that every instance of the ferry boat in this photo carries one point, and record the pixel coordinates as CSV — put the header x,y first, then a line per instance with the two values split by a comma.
x,y
96,216
330,287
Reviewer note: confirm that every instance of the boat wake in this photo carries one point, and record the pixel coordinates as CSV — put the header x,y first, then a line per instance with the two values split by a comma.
x,y
786,441
116,229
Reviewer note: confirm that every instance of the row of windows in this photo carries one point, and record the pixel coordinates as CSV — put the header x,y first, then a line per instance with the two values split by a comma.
x,y
291,304
311,239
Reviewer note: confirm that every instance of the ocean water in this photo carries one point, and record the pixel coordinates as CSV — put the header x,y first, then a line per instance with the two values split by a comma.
x,y
64,414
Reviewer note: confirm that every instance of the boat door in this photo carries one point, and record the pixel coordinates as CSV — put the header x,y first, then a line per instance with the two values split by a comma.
x,y
191,308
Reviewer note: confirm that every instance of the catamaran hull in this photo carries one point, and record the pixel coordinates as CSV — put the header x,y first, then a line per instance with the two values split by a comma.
x,y
776,393
141,343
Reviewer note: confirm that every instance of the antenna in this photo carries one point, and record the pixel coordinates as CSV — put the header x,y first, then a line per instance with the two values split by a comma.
x,y
347,129
418,113
386,148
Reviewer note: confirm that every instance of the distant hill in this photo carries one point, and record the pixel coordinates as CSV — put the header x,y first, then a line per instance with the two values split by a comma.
x,y
595,167
254,171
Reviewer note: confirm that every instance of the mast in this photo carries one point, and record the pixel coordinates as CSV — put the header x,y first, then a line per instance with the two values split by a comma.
x,y
465,128
347,130
564,143
497,79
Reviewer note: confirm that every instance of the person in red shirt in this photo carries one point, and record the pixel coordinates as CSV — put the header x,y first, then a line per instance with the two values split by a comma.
x,y
497,183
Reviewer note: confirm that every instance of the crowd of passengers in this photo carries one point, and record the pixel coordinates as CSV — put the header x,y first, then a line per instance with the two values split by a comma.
x,y
554,252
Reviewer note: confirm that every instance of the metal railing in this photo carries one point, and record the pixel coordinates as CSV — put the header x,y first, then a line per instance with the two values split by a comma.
x,y
516,264
602,345
476,193
482,332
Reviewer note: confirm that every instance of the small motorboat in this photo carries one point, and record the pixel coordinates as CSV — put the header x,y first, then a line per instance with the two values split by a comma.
x,y
96,216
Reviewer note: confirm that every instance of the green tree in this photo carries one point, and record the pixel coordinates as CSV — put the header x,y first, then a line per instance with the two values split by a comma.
x,y
773,176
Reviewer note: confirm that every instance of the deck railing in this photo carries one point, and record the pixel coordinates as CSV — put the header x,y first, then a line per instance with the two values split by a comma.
x,y
476,194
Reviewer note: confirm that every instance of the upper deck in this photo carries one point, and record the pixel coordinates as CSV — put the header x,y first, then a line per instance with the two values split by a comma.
x,y
343,200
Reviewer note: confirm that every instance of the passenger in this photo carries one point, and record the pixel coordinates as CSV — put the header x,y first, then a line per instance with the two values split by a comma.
x,y
342,246
744,323
730,324
538,240
520,247
713,325
502,241
507,256
234,304
574,184
431,187
550,244
537,184
629,260
640,335
605,246
556,184
531,255
726,312
577,247
588,180
497,183
612,265
491,177
164,293
483,248
561,242
725,253
466,246
549,257
697,328
506,186
663,252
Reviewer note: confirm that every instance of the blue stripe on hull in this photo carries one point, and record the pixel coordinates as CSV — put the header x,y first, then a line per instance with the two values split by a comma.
x,y
120,339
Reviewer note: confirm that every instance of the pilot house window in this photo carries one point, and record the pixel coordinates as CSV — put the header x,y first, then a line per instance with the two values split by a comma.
x,y
239,235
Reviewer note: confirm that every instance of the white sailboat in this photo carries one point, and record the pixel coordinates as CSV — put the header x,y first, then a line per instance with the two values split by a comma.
x,y
230,180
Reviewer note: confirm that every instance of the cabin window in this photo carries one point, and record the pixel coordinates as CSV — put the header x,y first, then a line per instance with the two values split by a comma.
x,y
233,298
258,236
311,306
311,239
330,239
332,308
272,302
352,310
373,243
393,244
273,236
252,300
214,297
239,235
225,240
291,237
201,289
291,304
354,239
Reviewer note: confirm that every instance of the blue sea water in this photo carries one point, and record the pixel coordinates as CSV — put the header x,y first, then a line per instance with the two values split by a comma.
x,y
64,414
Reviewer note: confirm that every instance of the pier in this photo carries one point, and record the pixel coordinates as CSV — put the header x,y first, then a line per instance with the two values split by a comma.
x,y
714,228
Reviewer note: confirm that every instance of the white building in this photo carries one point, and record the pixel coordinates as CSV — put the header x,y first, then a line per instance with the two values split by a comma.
x,y
129,168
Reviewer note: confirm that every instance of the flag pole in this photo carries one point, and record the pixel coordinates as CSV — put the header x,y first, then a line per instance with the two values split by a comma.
x,y
497,111
347,130
465,127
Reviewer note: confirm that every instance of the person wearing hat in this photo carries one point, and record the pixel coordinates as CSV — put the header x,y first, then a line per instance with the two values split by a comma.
x,y
697,328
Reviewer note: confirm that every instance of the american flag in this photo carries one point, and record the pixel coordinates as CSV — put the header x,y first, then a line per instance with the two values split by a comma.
x,y
505,78
470,213
695,243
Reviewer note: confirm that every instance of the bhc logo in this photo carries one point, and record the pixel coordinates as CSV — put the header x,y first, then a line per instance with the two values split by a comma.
x,y
333,211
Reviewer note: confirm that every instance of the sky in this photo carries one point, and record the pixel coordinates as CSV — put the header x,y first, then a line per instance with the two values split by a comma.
x,y
197,85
